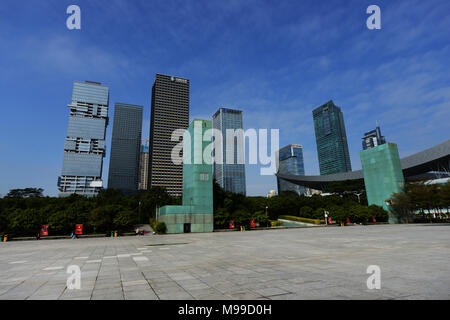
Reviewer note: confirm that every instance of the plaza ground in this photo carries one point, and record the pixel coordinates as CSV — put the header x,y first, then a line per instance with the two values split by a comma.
x,y
302,263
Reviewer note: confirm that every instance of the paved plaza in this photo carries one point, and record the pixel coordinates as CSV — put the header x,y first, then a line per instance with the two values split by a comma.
x,y
302,263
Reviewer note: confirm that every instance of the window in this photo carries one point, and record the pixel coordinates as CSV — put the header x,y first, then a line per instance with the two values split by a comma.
x,y
204,176
326,121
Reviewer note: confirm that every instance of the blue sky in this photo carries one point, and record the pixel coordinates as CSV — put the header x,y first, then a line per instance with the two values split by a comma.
x,y
275,60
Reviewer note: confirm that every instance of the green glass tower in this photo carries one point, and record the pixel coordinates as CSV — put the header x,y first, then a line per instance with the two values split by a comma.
x,y
383,175
331,139
196,213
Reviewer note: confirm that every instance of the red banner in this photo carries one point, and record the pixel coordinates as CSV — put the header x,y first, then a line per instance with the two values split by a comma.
x,y
44,230
374,220
348,220
79,229
252,223
231,224
329,220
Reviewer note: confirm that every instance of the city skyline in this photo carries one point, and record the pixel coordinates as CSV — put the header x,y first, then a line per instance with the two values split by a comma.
x,y
396,75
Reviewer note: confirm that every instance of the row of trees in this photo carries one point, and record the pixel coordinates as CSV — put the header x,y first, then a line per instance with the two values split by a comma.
x,y
23,211
241,209
421,202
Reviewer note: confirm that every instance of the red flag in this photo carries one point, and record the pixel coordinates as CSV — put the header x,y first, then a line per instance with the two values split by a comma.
x,y
44,230
79,229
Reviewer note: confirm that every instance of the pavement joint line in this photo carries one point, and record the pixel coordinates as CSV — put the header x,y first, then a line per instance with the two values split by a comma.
x,y
17,262
123,256
140,258
53,268
81,258
94,261
109,257
136,254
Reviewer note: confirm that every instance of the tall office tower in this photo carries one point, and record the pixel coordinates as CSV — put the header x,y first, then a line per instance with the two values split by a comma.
x,y
84,147
290,161
331,139
230,176
170,111
372,139
143,168
125,148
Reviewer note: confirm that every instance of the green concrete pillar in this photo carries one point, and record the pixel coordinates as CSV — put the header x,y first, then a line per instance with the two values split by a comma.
x,y
196,213
383,175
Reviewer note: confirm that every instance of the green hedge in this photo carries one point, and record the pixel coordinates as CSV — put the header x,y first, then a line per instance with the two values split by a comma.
x,y
158,226
276,223
300,219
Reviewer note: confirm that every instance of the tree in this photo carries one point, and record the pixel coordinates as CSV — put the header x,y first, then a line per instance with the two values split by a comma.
x,y
261,218
378,213
221,217
401,205
23,222
25,193
306,212
241,217
125,219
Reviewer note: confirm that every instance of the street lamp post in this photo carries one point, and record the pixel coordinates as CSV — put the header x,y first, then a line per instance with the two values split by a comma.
x,y
139,213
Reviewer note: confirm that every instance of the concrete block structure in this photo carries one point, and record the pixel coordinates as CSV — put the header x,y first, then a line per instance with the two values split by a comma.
x,y
383,175
196,212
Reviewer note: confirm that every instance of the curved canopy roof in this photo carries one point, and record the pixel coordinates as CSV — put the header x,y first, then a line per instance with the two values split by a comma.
x,y
436,158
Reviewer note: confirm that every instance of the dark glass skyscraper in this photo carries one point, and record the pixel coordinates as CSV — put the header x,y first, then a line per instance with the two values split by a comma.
x,y
331,139
125,148
169,111
230,176
372,139
290,161
84,147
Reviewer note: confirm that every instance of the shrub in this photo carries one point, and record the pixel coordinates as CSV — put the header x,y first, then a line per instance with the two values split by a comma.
x,y
160,227
276,223
300,219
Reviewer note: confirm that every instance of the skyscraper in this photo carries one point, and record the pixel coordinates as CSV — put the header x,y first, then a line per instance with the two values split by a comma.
x,y
290,161
84,147
125,147
169,111
331,139
230,176
372,139
143,168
